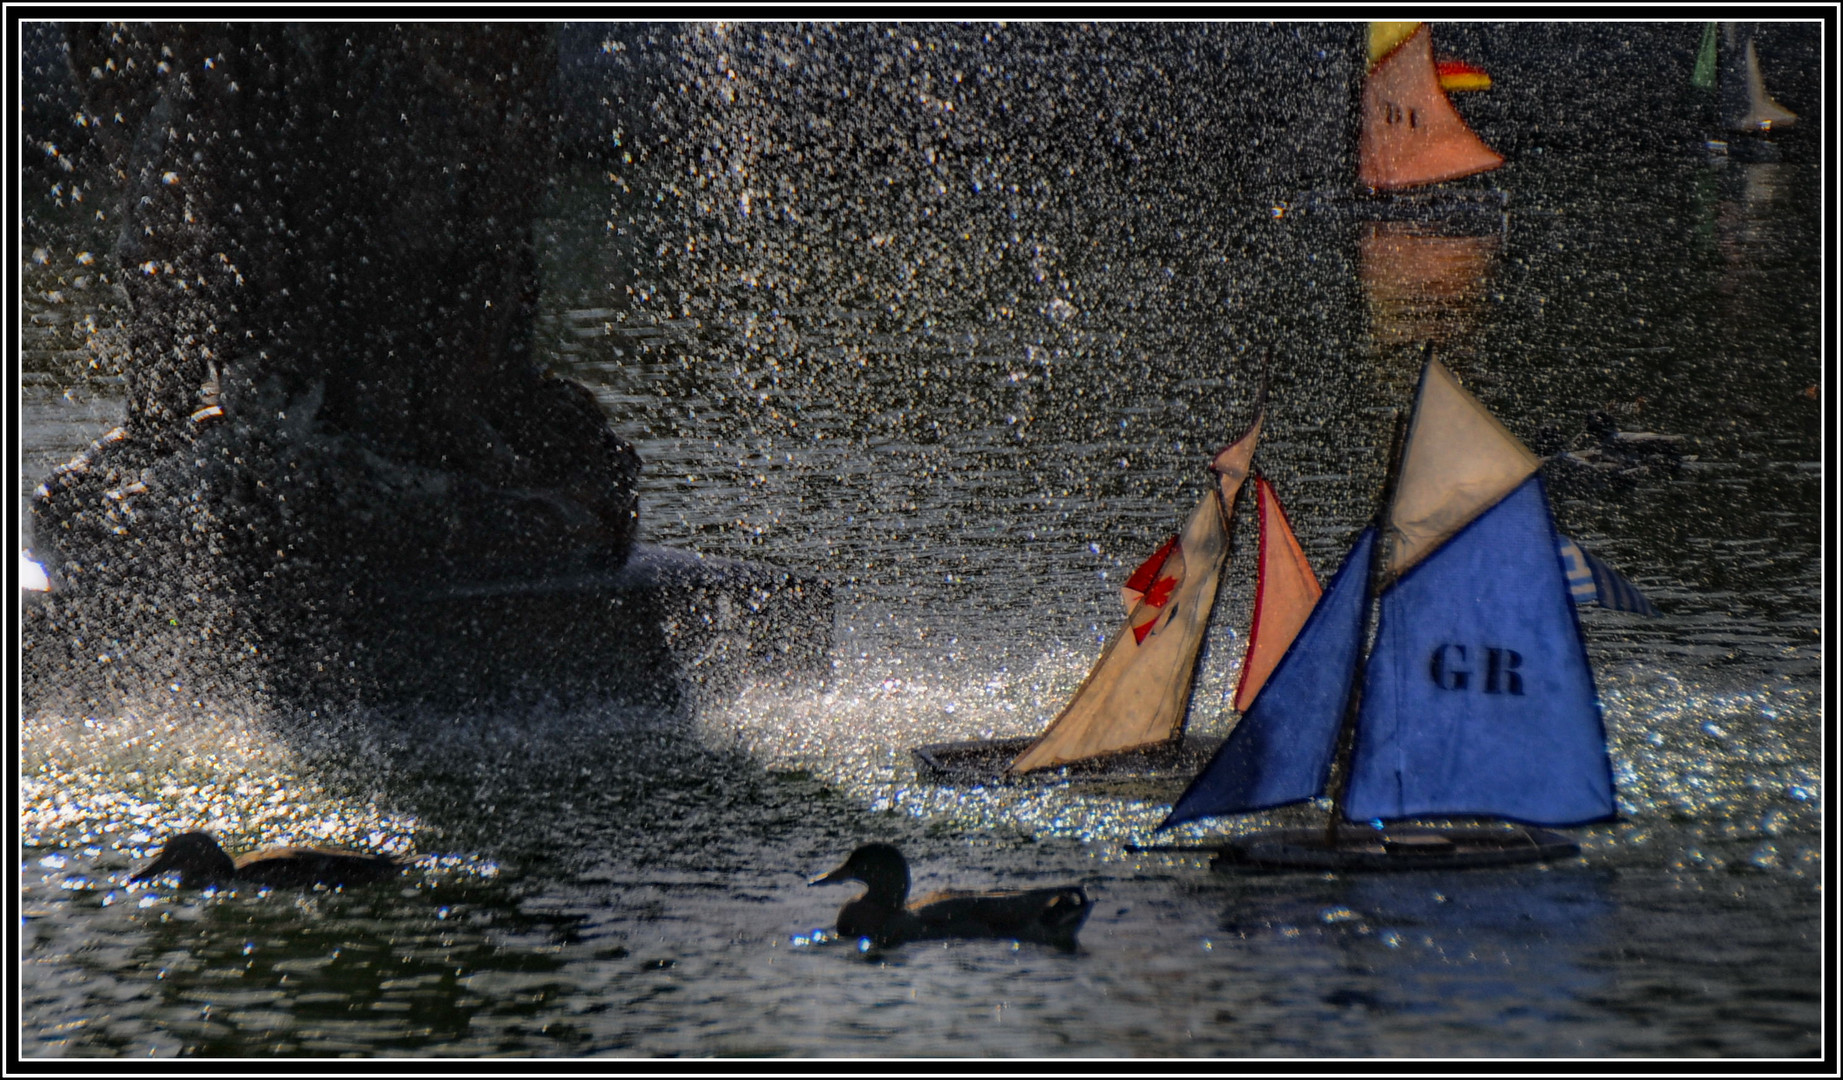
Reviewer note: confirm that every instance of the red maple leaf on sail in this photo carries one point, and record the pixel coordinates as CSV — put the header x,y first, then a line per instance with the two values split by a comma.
x,y
1160,591
1141,580
1149,588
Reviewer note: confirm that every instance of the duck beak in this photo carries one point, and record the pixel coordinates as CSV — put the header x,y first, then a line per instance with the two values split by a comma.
x,y
833,878
152,870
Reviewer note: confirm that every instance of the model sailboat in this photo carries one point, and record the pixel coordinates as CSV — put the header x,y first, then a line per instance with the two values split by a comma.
x,y
1410,137
1745,110
1138,693
1134,702
1411,134
1475,698
1746,106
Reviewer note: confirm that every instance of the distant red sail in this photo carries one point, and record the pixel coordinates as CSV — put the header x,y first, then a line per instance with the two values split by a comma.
x,y
1411,134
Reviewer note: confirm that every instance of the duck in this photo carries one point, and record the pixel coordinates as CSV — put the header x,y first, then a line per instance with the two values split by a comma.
x,y
884,915
1620,447
198,861
1604,453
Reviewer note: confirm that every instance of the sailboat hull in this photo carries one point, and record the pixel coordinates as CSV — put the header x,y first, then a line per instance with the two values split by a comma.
x,y
1465,210
1367,850
983,761
1749,149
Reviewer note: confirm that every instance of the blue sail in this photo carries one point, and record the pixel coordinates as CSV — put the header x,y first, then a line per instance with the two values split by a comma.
x,y
1477,699
1281,750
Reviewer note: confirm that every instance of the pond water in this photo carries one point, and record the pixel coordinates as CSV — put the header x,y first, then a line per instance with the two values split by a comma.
x,y
962,347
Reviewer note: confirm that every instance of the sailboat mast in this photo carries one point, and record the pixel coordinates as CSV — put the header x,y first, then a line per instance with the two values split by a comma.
x,y
1260,412
1380,553
1225,513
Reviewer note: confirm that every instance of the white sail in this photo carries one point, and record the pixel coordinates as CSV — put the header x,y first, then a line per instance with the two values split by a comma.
x,y
1763,112
1745,103
1458,461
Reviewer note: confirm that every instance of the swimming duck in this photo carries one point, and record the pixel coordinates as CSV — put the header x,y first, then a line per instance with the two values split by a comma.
x,y
198,860
1049,916
1626,448
1604,454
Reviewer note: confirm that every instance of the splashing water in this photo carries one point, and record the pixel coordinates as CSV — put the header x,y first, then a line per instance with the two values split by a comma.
x,y
953,317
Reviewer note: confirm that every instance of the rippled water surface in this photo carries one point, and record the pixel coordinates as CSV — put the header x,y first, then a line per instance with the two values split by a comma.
x,y
963,350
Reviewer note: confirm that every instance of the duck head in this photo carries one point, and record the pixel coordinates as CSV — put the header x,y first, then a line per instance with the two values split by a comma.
x,y
195,857
879,866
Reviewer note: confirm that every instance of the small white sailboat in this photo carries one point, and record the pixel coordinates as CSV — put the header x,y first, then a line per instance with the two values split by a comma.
x,y
1746,104
1473,699
1746,112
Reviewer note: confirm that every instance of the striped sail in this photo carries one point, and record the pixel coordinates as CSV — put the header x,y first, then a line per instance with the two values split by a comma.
x,y
1591,581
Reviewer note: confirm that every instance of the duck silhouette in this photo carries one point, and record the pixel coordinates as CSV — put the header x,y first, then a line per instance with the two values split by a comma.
x,y
1605,453
199,861
1620,448
1048,916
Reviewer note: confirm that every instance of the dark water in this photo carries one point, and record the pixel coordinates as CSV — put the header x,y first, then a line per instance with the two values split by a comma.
x,y
968,363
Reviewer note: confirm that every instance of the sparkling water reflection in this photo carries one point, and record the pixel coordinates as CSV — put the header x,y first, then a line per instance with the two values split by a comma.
x,y
968,368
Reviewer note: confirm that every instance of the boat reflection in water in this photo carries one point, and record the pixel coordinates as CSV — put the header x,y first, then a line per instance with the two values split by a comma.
x,y
1422,282
1354,939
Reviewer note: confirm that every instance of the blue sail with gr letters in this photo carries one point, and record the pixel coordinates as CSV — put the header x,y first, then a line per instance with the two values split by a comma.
x,y
1281,748
1477,699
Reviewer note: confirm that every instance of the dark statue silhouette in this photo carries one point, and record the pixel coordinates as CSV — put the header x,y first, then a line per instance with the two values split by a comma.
x,y
335,426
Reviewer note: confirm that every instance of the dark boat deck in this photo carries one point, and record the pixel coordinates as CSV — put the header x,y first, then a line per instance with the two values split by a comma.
x,y
1367,850
983,761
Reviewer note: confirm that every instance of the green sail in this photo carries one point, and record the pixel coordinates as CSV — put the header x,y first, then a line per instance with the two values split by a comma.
x,y
1703,78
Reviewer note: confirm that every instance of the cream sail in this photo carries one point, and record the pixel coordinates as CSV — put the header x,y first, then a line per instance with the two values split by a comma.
x,y
1459,461
1138,692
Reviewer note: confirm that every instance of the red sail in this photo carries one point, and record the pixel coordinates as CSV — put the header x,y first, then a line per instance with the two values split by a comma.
x,y
1285,592
1412,135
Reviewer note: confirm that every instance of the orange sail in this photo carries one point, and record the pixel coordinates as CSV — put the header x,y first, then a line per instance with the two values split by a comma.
x,y
1412,135
1285,592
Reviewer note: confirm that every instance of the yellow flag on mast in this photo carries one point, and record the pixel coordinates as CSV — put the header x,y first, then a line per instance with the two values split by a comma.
x,y
1386,37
